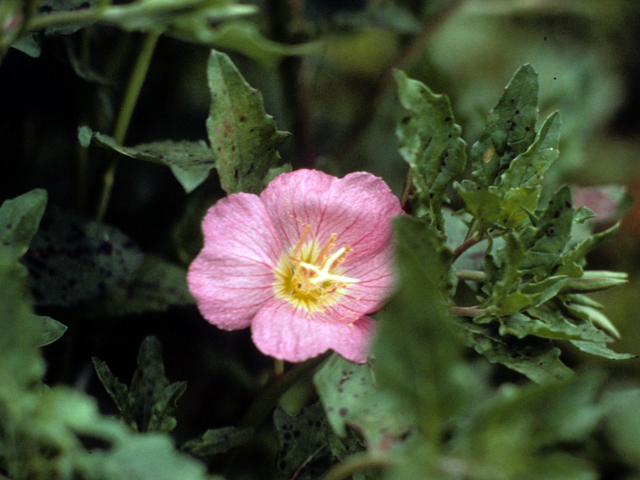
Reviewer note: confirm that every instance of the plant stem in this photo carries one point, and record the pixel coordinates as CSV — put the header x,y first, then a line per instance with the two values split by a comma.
x,y
466,245
467,311
129,101
268,398
472,275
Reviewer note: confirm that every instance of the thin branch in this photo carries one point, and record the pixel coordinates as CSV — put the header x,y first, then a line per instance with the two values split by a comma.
x,y
466,245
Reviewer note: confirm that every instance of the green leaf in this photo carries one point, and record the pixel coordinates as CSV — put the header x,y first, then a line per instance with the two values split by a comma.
x,y
546,242
416,349
600,349
532,424
52,329
350,398
149,404
495,207
572,262
303,445
528,168
19,220
218,440
21,366
429,141
510,128
190,162
73,258
534,357
243,137
244,37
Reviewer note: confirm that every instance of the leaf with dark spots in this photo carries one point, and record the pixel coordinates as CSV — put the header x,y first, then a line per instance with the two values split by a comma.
x,y
74,258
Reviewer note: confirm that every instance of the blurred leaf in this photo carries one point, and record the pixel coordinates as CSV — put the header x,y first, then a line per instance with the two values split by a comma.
x,y
19,220
74,258
522,432
416,350
350,398
155,286
149,404
244,37
243,137
217,440
52,330
20,364
510,128
601,350
429,141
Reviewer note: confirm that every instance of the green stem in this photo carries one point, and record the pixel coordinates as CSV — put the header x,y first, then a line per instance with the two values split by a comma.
x,y
268,399
355,464
126,111
472,275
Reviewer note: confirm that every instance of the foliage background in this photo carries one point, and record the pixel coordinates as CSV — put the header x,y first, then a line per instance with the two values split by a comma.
x,y
340,104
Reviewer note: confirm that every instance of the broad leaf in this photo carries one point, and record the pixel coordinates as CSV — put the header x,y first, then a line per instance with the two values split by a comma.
x,y
19,220
429,141
243,137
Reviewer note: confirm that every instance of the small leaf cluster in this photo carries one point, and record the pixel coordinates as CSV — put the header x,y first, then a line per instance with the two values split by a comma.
x,y
530,282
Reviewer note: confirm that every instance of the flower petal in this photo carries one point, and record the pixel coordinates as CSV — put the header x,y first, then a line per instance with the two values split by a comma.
x,y
358,208
283,332
232,277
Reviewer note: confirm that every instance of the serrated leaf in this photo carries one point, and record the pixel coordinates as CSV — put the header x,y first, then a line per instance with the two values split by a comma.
x,y
528,168
118,391
190,162
243,137
217,440
52,329
510,128
495,207
547,324
350,398
19,221
152,395
73,258
546,242
534,357
429,141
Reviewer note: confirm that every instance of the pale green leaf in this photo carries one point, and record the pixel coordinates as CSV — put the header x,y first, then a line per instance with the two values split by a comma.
x,y
243,137
350,398
19,221
52,329
601,350
528,168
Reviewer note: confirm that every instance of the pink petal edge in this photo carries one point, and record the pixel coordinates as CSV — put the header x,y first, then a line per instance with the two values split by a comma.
x,y
232,277
280,331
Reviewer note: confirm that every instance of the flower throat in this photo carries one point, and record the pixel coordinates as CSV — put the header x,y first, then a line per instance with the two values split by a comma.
x,y
308,276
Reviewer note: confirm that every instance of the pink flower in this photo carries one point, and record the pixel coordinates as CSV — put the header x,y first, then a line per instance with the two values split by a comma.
x,y
301,264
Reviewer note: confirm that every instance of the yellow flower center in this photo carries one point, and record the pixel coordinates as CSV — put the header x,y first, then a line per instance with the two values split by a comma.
x,y
308,276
